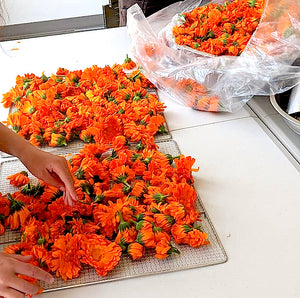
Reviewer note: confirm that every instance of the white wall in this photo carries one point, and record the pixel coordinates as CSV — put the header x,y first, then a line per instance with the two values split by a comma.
x,y
25,11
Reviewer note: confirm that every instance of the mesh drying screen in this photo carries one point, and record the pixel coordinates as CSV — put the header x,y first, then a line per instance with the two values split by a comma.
x,y
189,257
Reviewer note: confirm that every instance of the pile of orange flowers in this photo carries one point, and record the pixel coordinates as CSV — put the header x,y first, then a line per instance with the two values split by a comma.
x,y
220,29
94,105
129,200
131,197
194,94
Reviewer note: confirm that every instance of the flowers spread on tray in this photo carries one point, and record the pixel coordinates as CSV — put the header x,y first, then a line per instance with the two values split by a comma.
x,y
95,104
220,29
132,199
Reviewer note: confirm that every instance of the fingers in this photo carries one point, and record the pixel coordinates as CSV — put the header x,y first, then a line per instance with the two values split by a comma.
x,y
53,170
33,271
62,171
11,293
53,179
18,257
23,286
68,199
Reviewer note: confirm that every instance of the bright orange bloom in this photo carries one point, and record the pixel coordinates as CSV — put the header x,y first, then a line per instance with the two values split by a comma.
x,y
57,140
119,143
100,253
197,238
17,219
35,232
184,168
106,217
164,221
179,232
176,210
164,249
125,237
135,250
42,256
4,205
65,259
128,64
159,234
145,236
36,140
139,188
19,248
17,120
82,227
13,96
18,179
185,194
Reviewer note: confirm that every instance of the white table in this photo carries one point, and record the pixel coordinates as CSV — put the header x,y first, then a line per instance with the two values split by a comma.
x,y
247,182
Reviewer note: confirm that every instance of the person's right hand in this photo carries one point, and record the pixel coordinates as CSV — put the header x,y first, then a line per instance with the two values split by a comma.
x,y
52,169
12,286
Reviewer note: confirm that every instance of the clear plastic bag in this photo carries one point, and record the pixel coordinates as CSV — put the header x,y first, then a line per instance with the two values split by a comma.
x,y
218,83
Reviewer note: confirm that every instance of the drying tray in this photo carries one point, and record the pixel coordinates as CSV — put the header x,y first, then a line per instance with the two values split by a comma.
x,y
189,257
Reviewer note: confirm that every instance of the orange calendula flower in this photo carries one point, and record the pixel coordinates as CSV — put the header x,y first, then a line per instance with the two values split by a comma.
x,y
13,96
145,236
36,140
5,204
186,234
65,259
126,237
57,140
86,136
176,210
128,64
164,249
18,214
42,256
179,232
35,232
197,238
100,253
18,179
164,221
19,248
135,250
106,217
119,143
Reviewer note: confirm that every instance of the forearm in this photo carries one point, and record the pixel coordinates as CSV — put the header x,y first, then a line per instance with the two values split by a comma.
x,y
12,143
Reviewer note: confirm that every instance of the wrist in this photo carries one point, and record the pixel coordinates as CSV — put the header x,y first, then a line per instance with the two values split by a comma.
x,y
24,151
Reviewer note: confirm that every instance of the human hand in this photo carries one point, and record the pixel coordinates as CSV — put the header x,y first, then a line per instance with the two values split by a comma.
x,y
12,286
52,169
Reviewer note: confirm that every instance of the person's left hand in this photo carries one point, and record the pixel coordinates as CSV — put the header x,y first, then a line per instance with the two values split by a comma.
x,y
52,169
10,284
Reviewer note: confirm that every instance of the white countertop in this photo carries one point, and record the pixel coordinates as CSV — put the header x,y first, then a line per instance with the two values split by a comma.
x,y
247,182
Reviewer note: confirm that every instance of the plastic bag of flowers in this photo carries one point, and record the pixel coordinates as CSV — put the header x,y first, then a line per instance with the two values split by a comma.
x,y
216,55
